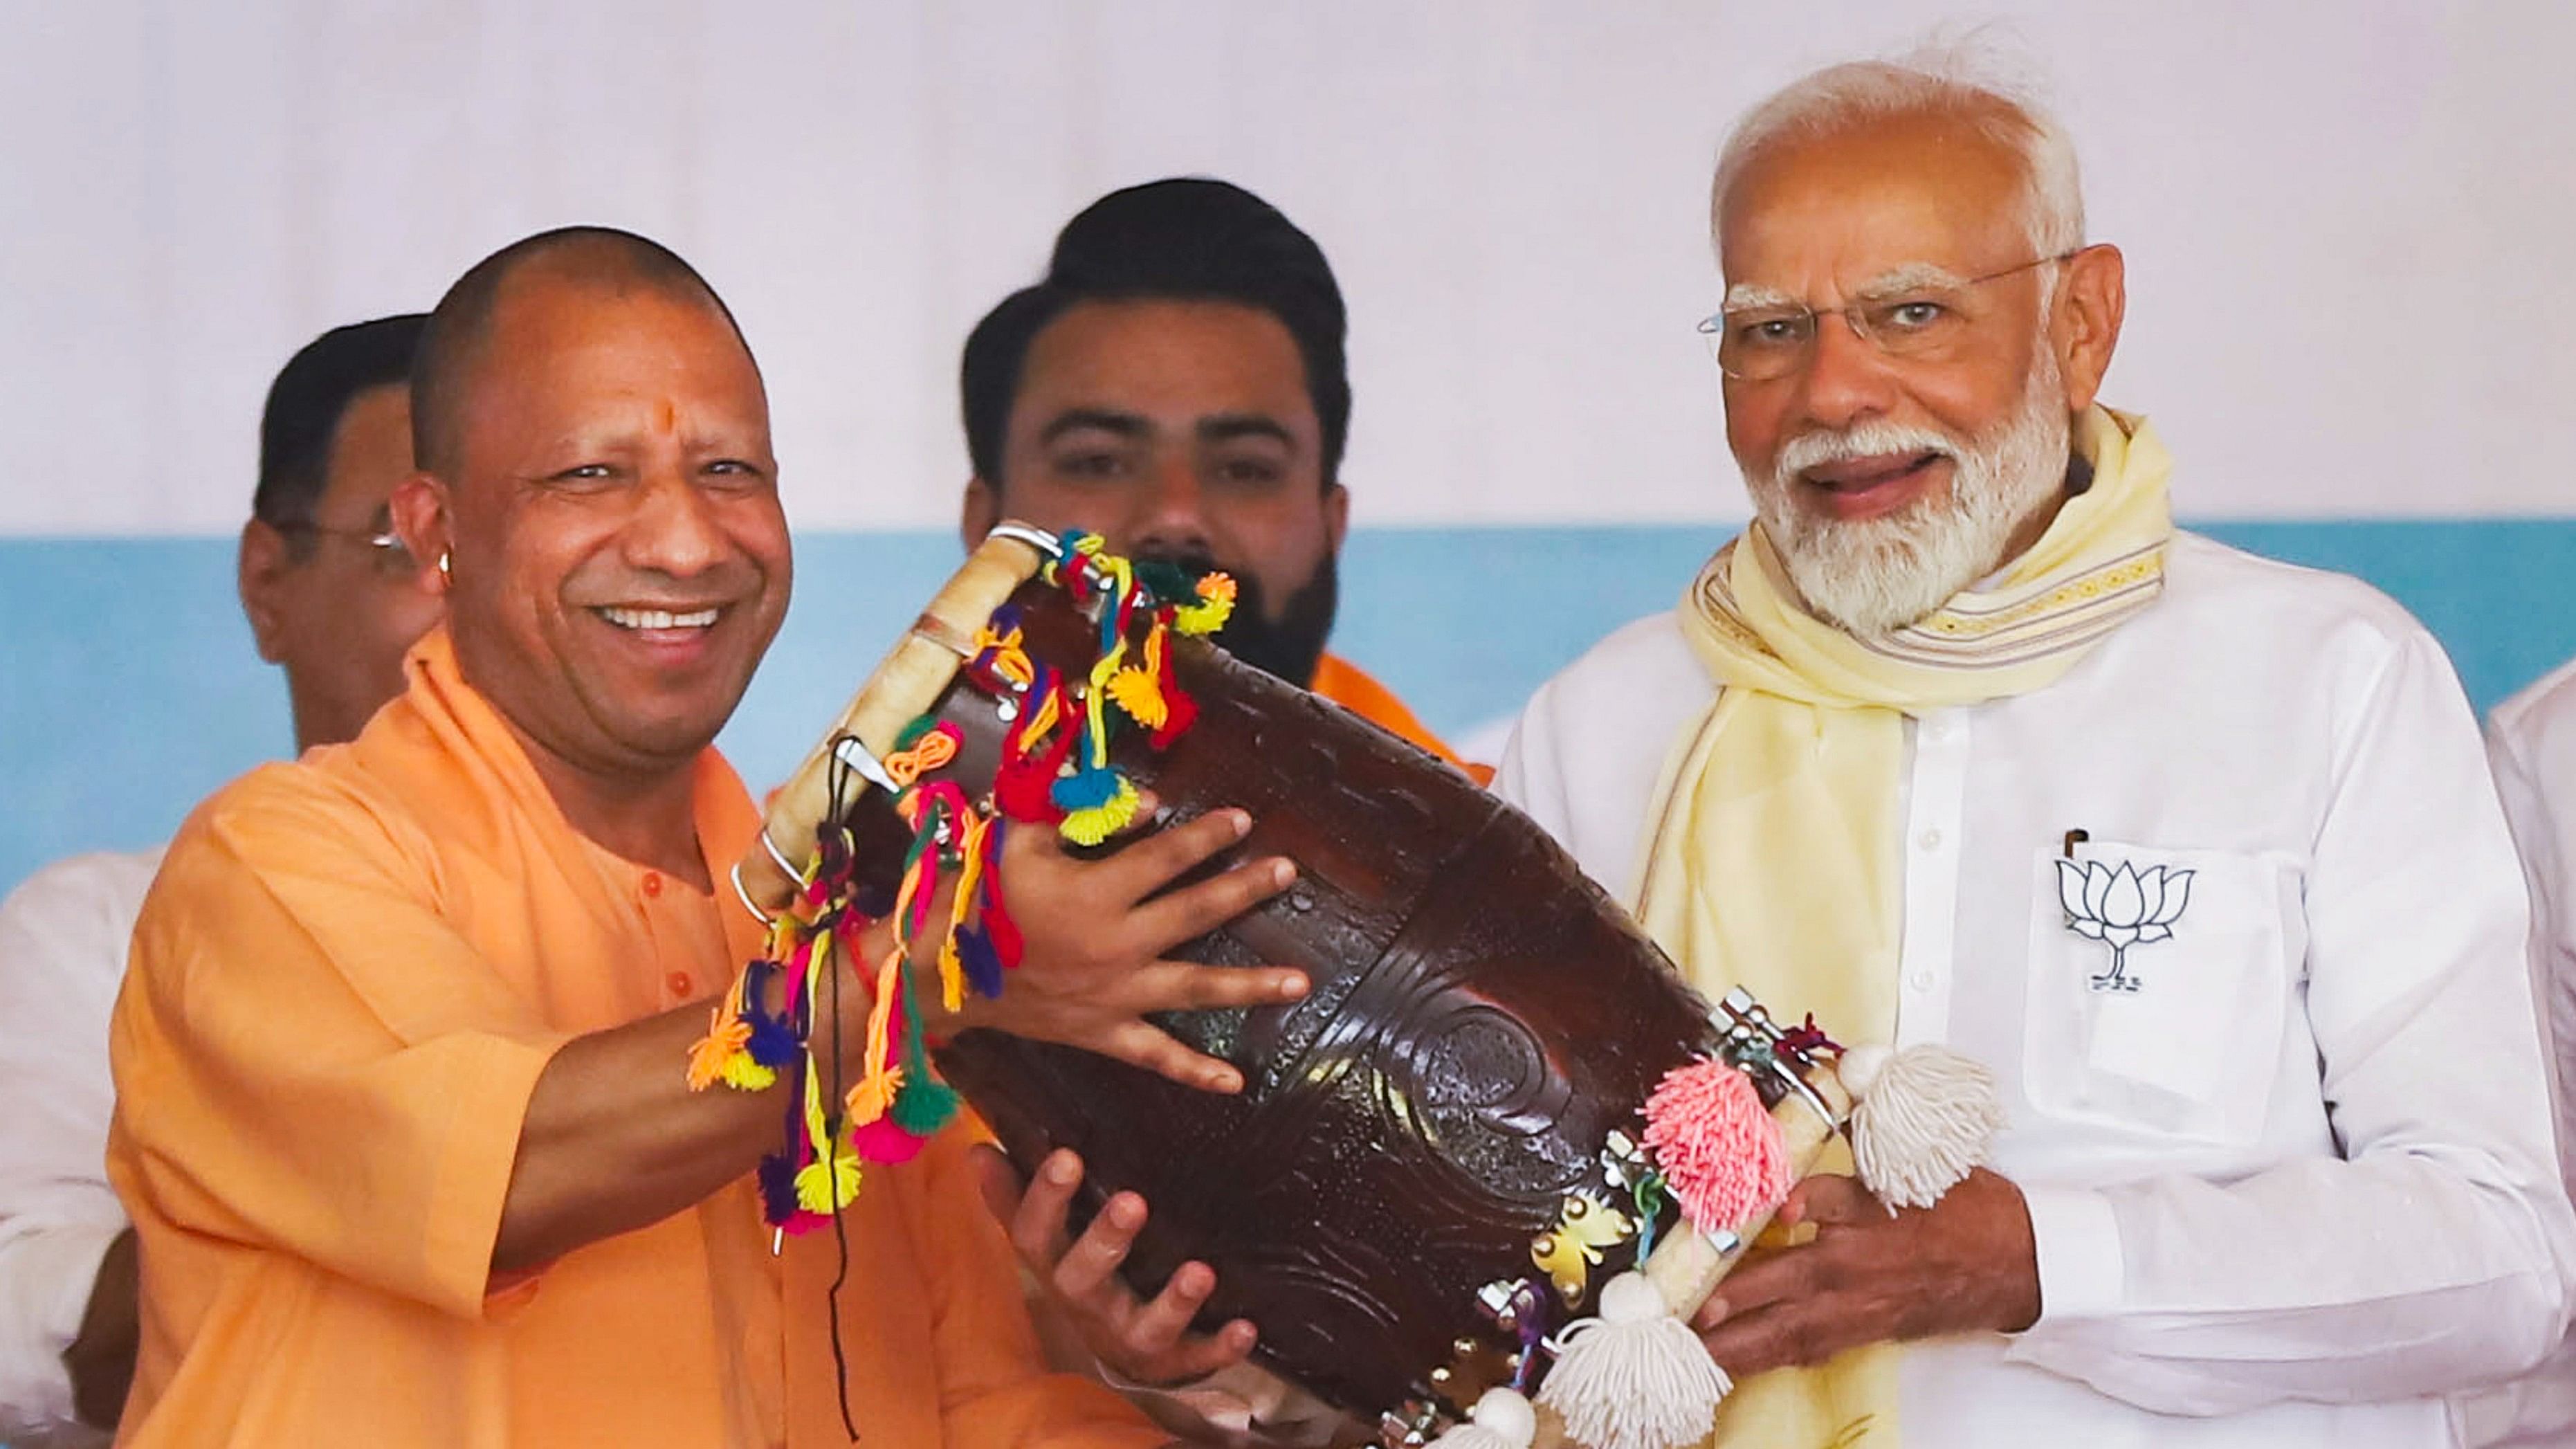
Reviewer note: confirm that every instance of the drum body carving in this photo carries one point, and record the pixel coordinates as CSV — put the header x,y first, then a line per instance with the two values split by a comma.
x,y
1482,1021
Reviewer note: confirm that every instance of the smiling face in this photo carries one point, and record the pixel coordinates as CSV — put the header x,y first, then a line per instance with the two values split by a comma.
x,y
1890,483
620,561
1181,430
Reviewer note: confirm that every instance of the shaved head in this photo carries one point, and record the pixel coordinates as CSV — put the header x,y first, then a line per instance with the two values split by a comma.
x,y
612,262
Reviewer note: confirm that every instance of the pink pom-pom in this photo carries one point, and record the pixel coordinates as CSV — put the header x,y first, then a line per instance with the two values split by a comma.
x,y
1721,1154
883,1141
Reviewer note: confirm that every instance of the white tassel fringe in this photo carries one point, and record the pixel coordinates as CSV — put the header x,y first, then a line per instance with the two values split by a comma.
x,y
1927,1116
1636,1377
1502,1419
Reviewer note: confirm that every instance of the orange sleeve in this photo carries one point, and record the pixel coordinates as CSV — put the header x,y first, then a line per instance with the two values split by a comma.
x,y
993,1384
1349,686
308,1060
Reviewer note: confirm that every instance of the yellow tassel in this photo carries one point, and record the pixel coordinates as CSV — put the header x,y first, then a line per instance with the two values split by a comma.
x,y
1095,716
818,1133
827,1185
1043,712
952,968
746,1075
874,1096
1135,692
1010,654
711,1060
1215,606
1095,823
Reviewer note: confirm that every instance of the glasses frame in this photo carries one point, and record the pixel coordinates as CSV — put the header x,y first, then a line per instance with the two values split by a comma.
x,y
382,543
1713,327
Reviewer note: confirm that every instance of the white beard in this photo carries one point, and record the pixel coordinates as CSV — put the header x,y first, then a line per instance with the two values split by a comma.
x,y
1873,577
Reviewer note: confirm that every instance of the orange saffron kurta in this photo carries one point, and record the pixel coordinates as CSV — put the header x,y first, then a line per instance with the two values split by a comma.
x,y
344,986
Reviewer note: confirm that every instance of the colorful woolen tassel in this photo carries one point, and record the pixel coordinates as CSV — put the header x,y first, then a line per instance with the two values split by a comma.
x,y
1721,1155
1215,605
778,1189
1927,1117
828,1183
1097,802
1636,1377
899,1101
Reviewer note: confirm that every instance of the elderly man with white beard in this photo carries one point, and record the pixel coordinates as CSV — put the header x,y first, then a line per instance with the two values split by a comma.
x,y
1961,741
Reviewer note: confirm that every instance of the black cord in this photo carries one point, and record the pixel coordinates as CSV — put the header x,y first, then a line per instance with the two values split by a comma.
x,y
837,794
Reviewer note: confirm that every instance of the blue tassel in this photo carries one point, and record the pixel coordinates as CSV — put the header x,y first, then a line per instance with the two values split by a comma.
x,y
1086,789
983,964
778,1203
772,1044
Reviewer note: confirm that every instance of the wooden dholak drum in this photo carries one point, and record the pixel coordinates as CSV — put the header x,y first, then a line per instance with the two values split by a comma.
x,y
1431,1161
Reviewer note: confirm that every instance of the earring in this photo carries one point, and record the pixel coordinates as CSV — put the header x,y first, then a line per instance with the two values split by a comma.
x,y
446,572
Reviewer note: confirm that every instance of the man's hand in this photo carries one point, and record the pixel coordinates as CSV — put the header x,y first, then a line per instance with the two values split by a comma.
x,y
1965,1264
1146,1343
1097,931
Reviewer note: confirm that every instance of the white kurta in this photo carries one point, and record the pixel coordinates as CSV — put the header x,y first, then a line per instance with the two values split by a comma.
x,y
2532,742
2300,1183
63,940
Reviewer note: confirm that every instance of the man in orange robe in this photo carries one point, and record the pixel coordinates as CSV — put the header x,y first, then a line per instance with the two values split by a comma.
x,y
402,1120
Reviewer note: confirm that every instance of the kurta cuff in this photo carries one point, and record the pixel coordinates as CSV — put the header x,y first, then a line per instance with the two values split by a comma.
x,y
2078,1241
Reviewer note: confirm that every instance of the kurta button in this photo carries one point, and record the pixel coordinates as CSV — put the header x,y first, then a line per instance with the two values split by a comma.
x,y
1931,840
1922,981
679,983
652,882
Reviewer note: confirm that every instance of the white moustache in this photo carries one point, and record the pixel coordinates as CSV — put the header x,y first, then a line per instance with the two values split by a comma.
x,y
1875,439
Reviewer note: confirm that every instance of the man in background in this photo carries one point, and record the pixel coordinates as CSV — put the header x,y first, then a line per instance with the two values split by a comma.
x,y
332,597
2531,742
1177,385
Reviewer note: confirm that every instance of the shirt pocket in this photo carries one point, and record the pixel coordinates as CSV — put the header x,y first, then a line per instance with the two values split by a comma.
x,y
2157,986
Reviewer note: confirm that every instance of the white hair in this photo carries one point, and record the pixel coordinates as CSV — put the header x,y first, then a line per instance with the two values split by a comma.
x,y
1959,81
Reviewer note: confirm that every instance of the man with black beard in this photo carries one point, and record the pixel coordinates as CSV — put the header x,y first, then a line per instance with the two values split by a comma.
x,y
1177,385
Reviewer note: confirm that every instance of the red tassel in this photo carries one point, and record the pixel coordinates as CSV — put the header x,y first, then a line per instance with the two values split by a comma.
x,y
1179,710
999,928
1024,785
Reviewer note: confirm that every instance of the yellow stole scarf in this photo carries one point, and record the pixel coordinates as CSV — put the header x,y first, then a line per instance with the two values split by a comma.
x,y
1774,856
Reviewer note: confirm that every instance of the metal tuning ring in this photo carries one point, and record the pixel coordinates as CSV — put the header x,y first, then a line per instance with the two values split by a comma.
x,y
743,893
1753,1042
1047,544
853,752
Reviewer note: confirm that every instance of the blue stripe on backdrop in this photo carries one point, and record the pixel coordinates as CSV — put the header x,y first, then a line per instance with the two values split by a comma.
x,y
128,687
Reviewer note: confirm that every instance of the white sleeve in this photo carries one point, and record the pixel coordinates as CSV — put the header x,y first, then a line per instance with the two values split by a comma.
x,y
1527,776
63,939
2436,1251
2544,833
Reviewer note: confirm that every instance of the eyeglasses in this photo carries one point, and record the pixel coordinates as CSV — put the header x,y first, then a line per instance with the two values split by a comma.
x,y
386,553
1922,320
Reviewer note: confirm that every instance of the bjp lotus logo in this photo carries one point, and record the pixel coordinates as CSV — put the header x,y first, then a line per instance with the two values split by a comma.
x,y
2121,908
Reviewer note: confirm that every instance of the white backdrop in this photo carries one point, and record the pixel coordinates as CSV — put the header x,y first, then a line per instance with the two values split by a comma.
x,y
2346,222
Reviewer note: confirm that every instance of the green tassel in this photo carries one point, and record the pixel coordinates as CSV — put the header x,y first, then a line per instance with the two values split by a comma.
x,y
924,1104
